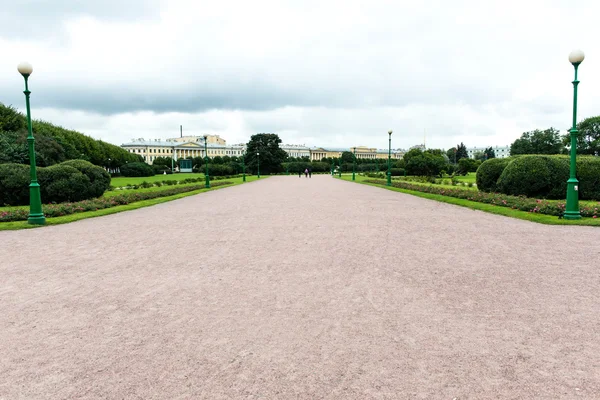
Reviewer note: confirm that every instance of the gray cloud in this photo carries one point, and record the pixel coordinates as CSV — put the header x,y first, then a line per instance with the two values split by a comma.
x,y
465,69
43,19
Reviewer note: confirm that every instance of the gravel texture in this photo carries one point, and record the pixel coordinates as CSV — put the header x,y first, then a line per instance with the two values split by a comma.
x,y
296,288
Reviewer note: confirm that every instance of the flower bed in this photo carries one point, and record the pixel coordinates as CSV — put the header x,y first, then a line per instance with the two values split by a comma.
x,y
521,203
58,210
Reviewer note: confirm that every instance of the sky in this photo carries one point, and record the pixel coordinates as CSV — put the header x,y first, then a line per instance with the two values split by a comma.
x,y
316,72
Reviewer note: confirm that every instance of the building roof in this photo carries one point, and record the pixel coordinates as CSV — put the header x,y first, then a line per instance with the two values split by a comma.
x,y
163,143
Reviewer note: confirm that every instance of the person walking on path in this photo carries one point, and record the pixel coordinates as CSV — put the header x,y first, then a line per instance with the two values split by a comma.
x,y
310,173
306,173
299,173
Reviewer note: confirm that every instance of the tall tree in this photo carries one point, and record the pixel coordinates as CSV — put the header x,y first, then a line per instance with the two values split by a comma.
x,y
451,153
489,153
461,152
271,155
538,142
588,141
347,157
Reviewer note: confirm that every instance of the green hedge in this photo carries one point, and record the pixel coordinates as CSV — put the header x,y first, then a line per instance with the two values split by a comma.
x,y
137,169
545,176
588,173
59,210
14,184
69,181
535,176
99,178
538,206
489,172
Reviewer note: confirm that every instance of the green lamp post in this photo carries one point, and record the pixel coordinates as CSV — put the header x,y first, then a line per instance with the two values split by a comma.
x,y
340,167
36,215
572,207
354,164
389,172
206,177
258,165
332,167
243,166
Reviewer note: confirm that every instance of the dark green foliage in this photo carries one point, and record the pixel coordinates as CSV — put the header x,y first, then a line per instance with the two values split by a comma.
x,y
54,144
397,171
347,157
536,176
466,165
58,183
62,183
271,155
425,163
61,209
489,153
163,161
137,169
588,174
14,184
489,172
538,142
11,120
515,202
161,169
461,152
99,178
588,140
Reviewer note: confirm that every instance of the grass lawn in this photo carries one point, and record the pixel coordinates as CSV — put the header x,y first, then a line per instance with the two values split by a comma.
x,y
125,181
508,212
467,178
132,206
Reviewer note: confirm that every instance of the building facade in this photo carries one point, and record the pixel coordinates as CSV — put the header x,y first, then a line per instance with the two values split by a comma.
x,y
319,153
499,151
150,150
295,150
193,146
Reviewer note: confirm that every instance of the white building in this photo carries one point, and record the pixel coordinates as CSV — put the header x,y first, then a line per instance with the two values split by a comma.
x,y
152,149
499,152
295,150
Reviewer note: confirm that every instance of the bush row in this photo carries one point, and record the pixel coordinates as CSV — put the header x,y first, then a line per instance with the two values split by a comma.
x,y
59,210
542,176
171,182
137,169
73,180
521,203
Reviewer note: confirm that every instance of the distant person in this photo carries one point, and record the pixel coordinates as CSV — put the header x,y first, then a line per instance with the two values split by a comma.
x,y
310,173
299,173
306,173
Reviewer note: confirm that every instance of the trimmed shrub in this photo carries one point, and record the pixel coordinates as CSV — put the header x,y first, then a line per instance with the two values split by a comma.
x,y
74,180
62,183
14,184
489,172
466,165
136,169
99,178
588,173
536,176
397,171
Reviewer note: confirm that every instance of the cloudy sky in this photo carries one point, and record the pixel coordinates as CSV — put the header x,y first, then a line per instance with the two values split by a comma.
x,y
317,72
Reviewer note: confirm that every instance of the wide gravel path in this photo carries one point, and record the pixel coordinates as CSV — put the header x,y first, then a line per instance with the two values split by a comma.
x,y
293,288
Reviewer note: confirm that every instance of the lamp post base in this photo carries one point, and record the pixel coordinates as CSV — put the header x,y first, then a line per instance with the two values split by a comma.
x,y
572,206
36,219
571,215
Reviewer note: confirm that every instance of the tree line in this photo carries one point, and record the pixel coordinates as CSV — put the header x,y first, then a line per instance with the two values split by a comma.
x,y
53,144
550,141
